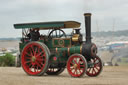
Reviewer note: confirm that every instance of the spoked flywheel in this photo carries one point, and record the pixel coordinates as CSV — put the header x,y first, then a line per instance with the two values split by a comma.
x,y
54,71
95,67
35,58
76,65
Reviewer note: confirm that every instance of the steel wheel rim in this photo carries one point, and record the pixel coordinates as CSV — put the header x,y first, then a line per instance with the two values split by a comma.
x,y
33,60
96,69
76,66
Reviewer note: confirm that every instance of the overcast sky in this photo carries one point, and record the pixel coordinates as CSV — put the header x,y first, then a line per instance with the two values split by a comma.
x,y
105,13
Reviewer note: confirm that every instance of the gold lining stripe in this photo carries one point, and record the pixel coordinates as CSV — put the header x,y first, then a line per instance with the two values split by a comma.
x,y
68,51
87,14
56,50
80,49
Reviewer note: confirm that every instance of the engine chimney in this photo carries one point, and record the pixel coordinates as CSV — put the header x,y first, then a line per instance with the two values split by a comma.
x,y
88,27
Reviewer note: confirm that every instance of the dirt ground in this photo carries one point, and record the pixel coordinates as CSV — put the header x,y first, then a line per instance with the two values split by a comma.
x,y
110,76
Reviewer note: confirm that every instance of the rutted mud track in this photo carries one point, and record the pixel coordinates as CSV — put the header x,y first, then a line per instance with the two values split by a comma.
x,y
110,76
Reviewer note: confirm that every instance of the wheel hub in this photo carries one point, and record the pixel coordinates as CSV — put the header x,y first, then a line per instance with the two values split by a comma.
x,y
33,58
75,66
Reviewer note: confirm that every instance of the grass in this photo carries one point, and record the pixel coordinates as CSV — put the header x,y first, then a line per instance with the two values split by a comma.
x,y
7,60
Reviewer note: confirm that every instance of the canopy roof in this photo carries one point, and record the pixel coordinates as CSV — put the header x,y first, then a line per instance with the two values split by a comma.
x,y
48,25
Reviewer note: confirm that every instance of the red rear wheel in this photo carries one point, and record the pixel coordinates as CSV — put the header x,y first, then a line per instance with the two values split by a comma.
x,y
35,58
96,67
76,65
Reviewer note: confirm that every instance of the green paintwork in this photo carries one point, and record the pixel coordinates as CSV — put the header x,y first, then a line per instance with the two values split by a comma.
x,y
23,26
48,25
61,43
21,46
67,43
62,52
74,49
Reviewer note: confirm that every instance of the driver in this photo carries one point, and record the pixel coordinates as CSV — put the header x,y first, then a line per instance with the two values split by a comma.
x,y
34,34
37,34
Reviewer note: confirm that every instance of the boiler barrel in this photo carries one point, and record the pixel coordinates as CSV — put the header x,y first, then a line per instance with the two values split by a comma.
x,y
69,50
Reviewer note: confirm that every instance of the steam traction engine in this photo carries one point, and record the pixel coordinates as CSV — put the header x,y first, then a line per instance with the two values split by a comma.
x,y
56,51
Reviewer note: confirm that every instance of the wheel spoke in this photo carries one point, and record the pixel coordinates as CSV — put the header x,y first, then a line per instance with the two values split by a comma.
x,y
89,69
97,65
42,64
39,54
31,52
72,63
29,65
53,69
28,54
34,68
94,60
93,71
76,71
35,51
82,65
71,68
37,69
39,60
75,60
27,62
28,57
80,71
79,62
32,49
97,68
38,65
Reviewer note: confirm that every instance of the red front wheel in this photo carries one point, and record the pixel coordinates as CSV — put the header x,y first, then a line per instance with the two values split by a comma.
x,y
35,58
95,68
76,65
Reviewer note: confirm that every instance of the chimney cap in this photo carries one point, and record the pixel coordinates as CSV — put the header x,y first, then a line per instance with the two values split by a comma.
x,y
87,14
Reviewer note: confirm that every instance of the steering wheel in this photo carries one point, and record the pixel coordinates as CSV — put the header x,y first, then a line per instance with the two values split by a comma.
x,y
57,33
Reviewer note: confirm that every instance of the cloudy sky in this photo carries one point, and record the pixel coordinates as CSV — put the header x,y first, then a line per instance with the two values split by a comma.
x,y
106,14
